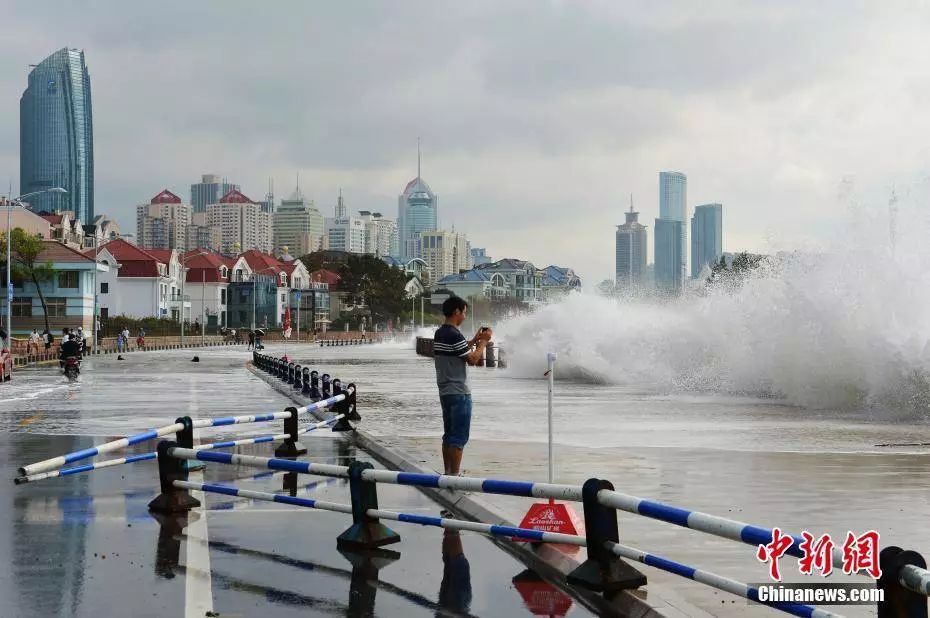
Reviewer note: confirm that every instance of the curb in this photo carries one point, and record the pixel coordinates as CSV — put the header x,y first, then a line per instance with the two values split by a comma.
x,y
550,563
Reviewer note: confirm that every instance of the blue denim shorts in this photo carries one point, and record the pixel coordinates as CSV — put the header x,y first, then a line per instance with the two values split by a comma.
x,y
456,419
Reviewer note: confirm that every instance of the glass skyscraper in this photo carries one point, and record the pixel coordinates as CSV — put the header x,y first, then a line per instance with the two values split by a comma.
x,y
631,250
668,255
417,209
209,191
673,205
706,237
56,136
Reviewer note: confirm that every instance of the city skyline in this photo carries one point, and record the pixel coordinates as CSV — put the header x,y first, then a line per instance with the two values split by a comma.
x,y
522,160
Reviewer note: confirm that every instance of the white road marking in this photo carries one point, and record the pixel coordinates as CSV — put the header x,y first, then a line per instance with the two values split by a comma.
x,y
198,584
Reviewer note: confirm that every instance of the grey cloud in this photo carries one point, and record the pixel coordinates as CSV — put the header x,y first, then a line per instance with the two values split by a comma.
x,y
531,113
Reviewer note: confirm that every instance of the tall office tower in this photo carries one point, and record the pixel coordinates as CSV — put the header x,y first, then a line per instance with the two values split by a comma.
x,y
56,136
673,205
242,224
209,191
163,222
706,237
668,271
417,209
344,232
298,225
631,249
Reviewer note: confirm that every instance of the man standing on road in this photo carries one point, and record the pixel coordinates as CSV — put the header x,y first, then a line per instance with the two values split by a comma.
x,y
452,352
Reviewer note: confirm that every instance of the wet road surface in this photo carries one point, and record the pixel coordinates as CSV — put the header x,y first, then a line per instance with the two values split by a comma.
x,y
86,545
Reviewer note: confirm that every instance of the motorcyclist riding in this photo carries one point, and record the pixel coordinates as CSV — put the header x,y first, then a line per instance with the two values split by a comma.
x,y
71,347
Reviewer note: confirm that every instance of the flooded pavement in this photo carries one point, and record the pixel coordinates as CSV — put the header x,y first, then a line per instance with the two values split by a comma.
x,y
86,545
754,460
758,461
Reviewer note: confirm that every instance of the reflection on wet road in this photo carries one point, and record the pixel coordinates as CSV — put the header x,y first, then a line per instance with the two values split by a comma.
x,y
87,546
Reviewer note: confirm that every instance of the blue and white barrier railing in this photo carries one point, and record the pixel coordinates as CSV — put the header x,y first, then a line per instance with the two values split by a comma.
x,y
98,465
341,402
597,495
526,534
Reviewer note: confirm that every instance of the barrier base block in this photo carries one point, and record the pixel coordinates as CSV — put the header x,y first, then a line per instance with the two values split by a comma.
x,y
174,502
290,449
617,576
366,535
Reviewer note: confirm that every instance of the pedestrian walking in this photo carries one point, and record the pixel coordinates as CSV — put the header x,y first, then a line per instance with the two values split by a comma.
x,y
48,339
251,339
34,339
452,354
126,337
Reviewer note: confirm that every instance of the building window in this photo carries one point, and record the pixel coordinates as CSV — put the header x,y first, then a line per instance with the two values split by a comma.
x,y
68,279
222,297
104,287
22,307
55,306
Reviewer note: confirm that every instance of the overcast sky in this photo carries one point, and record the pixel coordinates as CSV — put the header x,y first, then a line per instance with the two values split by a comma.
x,y
538,119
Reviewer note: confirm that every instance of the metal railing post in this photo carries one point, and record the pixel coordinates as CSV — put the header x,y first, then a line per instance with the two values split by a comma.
x,y
290,447
341,407
306,381
602,571
185,439
170,469
366,532
899,602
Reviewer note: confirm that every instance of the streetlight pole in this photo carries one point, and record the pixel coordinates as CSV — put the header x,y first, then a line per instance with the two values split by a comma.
x,y
9,250
203,303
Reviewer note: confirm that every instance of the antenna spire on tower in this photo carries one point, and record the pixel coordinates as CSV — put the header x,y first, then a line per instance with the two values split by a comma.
x,y
418,158
631,202
298,182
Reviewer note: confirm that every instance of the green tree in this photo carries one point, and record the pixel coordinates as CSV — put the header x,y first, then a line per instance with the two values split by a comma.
x,y
366,280
26,266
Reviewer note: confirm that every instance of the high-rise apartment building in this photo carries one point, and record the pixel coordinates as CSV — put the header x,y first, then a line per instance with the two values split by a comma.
x,y
706,237
242,223
163,222
380,234
298,225
417,209
631,249
668,271
673,205
56,136
445,253
209,191
200,235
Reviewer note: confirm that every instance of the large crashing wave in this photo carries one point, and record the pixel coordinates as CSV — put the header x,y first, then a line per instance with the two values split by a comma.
x,y
838,330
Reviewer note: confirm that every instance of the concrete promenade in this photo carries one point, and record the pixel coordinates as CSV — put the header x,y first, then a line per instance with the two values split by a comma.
x,y
85,545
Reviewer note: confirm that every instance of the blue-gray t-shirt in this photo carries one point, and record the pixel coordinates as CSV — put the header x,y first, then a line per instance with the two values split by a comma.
x,y
449,351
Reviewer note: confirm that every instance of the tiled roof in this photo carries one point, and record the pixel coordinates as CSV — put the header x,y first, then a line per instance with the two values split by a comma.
x,y
162,255
235,197
54,251
326,276
135,262
470,276
53,219
262,263
166,197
